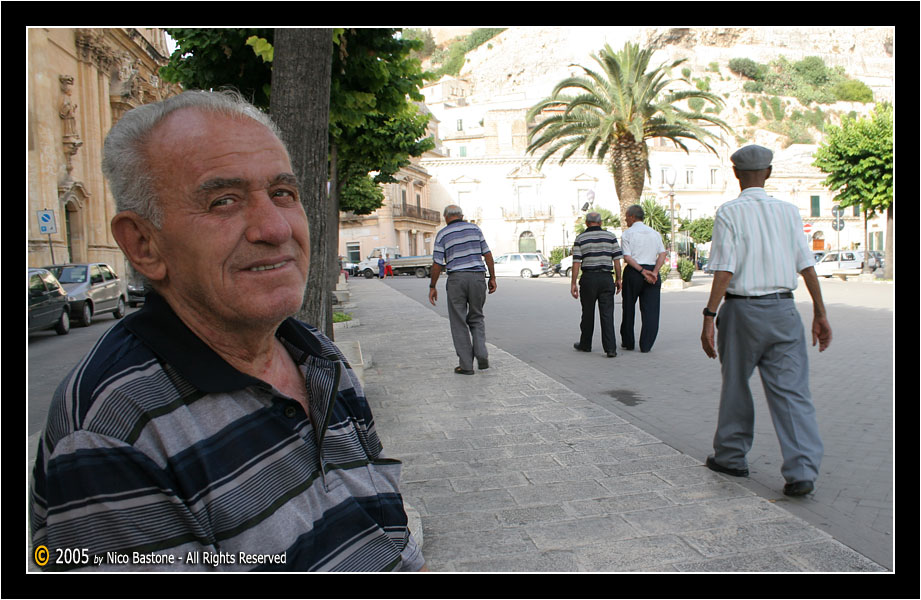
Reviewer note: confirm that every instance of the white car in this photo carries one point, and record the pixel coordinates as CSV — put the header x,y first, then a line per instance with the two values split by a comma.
x,y
843,260
566,266
521,264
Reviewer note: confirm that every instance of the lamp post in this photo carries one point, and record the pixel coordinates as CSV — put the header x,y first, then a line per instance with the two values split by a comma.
x,y
673,258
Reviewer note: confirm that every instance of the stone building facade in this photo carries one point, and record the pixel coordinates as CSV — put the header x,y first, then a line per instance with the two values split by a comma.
x,y
80,81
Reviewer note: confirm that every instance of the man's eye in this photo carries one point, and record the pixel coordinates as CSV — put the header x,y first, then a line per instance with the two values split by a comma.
x,y
222,202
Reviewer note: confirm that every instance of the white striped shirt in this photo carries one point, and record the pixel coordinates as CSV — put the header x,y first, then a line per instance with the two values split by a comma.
x,y
760,240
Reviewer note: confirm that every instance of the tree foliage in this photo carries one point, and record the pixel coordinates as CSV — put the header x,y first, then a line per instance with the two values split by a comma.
x,y
610,114
857,156
215,58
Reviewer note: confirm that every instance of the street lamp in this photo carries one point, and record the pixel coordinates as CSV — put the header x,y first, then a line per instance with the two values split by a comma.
x,y
670,175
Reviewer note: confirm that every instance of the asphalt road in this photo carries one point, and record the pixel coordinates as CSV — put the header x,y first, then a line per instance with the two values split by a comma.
x,y
673,391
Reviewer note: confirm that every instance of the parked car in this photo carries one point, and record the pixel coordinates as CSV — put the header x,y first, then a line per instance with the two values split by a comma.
x,y
844,260
48,307
819,255
521,264
136,293
566,266
92,289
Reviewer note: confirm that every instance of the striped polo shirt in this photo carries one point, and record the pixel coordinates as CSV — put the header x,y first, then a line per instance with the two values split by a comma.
x,y
760,240
460,246
596,249
158,455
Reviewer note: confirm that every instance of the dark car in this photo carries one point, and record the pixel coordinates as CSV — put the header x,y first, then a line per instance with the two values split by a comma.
x,y
92,289
48,306
136,293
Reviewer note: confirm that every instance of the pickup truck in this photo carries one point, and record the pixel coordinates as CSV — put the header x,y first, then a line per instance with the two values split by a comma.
x,y
420,266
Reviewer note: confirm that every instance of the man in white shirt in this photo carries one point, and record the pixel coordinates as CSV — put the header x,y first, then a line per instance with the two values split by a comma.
x,y
644,254
758,248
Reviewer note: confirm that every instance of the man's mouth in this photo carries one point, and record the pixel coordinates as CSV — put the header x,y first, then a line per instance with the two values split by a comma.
x,y
268,267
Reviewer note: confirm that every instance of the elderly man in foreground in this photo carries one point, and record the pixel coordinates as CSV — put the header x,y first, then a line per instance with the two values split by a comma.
x,y
211,430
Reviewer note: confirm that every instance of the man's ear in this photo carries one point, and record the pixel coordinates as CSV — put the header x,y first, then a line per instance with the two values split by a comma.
x,y
136,236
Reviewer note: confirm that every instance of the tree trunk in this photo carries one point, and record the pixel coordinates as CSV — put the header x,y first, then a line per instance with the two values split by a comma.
x,y
300,107
889,271
628,166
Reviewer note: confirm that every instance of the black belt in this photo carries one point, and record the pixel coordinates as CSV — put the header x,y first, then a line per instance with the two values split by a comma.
x,y
775,295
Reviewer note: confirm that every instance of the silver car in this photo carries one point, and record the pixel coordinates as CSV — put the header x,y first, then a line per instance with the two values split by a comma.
x,y
92,289
521,264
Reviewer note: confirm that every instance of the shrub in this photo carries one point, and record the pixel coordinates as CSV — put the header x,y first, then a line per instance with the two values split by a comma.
x,y
685,268
746,67
339,317
852,90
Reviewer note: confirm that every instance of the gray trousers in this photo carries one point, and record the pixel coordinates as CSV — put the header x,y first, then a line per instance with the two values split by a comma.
x,y
466,297
768,334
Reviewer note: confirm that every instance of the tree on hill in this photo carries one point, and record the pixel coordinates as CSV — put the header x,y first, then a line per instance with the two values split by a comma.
x,y
611,114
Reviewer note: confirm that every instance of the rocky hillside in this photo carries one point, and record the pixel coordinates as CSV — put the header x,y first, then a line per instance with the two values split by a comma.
x,y
525,62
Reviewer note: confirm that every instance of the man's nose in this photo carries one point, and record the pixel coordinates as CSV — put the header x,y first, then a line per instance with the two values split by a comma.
x,y
266,221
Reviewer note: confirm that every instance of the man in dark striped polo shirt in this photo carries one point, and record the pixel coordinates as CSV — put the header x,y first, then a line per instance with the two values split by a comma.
x,y
461,250
210,430
596,253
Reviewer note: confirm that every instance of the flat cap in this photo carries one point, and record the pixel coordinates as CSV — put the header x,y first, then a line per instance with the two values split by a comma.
x,y
752,158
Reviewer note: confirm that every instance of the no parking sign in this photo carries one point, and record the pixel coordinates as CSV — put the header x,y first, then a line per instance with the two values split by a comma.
x,y
46,222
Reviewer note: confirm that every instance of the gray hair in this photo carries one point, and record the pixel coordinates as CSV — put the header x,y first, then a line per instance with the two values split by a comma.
x,y
635,211
124,156
453,211
593,217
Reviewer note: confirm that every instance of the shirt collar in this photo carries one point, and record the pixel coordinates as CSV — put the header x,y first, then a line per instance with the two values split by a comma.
x,y
593,228
158,326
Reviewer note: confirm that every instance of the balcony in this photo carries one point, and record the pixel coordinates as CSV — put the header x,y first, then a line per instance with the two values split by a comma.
x,y
409,211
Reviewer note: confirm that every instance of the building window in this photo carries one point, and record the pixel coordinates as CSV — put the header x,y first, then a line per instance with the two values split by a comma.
x,y
856,210
714,176
689,177
463,151
814,203
353,250
460,124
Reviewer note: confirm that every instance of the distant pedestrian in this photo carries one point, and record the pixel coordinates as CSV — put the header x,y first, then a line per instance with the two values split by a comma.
x,y
388,269
596,254
382,267
758,248
644,255
461,250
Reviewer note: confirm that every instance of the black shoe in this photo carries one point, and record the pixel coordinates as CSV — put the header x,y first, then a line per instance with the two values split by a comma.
x,y
461,371
714,466
626,348
580,348
798,488
482,364
611,354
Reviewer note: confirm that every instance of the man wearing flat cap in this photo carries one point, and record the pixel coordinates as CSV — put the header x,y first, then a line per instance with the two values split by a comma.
x,y
758,250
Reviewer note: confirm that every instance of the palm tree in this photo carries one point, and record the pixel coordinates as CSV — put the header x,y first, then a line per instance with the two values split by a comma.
x,y
615,111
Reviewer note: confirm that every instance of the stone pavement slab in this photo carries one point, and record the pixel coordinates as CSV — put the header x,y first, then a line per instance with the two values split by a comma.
x,y
510,471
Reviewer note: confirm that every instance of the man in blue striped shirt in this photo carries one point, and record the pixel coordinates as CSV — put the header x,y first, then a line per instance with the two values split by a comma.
x,y
461,250
210,430
596,253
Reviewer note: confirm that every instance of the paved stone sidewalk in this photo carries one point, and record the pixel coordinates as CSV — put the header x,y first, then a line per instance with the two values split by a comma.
x,y
510,471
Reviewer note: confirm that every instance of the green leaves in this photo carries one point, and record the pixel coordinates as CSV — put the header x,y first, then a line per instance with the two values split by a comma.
x,y
858,157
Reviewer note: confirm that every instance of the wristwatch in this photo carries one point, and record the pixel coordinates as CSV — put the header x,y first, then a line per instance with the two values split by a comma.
x,y
708,312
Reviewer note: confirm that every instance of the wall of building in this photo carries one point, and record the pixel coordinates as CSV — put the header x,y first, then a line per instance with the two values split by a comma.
x,y
79,82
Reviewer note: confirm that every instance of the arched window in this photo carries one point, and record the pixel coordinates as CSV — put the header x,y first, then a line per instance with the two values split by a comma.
x,y
527,242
